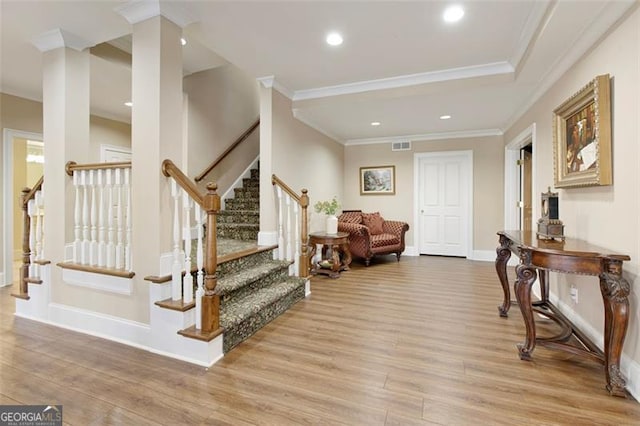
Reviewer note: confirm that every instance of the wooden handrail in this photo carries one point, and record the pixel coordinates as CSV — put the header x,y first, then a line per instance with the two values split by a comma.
x,y
227,151
275,180
169,169
72,165
32,192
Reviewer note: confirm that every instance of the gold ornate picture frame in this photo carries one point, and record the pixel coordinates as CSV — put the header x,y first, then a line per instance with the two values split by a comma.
x,y
380,180
582,137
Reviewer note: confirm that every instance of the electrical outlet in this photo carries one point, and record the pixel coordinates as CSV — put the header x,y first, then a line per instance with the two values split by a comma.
x,y
574,294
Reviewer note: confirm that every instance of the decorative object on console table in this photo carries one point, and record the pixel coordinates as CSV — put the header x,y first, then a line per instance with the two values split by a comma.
x,y
582,137
330,208
549,225
379,180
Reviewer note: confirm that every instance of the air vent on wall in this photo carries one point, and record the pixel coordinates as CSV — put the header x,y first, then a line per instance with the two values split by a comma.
x,y
401,146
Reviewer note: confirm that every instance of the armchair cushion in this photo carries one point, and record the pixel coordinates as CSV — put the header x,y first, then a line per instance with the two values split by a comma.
x,y
374,222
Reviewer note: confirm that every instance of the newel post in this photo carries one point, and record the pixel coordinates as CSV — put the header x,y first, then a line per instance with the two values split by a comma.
x,y
304,250
210,300
26,247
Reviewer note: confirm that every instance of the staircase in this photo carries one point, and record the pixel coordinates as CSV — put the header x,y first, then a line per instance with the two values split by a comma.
x,y
253,287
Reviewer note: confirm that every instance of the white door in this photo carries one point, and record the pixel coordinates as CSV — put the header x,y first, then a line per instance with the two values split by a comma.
x,y
114,154
444,194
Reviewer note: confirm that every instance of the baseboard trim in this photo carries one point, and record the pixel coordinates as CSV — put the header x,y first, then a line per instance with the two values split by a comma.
x,y
2,283
410,251
483,255
630,369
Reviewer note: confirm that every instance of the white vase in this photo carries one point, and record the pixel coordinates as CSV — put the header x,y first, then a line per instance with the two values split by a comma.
x,y
332,225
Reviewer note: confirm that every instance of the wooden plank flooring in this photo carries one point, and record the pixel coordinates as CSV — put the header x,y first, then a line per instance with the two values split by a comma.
x,y
418,342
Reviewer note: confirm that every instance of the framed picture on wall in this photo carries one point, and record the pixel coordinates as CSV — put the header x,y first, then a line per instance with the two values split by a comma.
x,y
582,137
380,180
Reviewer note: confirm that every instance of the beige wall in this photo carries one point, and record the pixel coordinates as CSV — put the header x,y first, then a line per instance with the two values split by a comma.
x,y
488,160
222,103
305,158
608,215
107,132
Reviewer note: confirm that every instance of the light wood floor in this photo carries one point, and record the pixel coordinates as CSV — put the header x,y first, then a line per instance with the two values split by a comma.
x,y
418,342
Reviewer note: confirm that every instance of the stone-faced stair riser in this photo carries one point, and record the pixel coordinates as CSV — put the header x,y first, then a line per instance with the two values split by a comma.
x,y
249,326
242,204
238,216
273,277
243,263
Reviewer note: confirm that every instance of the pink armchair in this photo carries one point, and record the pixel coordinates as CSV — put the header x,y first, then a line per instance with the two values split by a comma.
x,y
370,234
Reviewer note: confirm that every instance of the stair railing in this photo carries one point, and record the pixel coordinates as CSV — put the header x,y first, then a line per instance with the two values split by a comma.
x,y
186,195
32,203
102,217
293,225
228,151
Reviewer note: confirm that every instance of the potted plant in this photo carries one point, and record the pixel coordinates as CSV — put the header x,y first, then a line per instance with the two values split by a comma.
x,y
330,208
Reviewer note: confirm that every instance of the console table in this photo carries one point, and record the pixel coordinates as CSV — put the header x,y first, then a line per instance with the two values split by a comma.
x,y
337,243
537,258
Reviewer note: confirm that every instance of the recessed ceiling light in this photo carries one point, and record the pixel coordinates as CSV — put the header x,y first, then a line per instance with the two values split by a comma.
x,y
334,39
453,13
375,123
445,117
129,103
183,41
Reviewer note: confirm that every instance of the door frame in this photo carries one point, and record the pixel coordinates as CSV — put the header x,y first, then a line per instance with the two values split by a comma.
x,y
8,135
512,177
468,163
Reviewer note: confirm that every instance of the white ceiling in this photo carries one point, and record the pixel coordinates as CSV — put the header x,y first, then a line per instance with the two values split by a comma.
x,y
400,64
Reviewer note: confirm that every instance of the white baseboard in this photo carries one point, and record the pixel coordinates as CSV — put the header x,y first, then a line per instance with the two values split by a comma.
x,y
629,368
307,288
267,238
108,283
410,251
2,283
483,255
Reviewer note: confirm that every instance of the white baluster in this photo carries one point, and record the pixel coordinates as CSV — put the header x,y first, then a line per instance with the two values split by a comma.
x,y
280,231
294,269
287,200
200,266
119,221
187,282
39,228
77,209
176,270
127,244
111,232
93,246
84,252
102,229
33,214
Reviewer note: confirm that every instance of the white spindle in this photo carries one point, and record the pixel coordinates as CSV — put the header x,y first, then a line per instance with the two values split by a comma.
x,y
200,266
93,246
176,270
111,235
84,252
280,231
119,221
39,228
32,212
287,199
187,282
127,244
294,268
102,245
77,243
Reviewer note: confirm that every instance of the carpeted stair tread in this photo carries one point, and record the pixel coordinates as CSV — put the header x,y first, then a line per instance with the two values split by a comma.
x,y
236,281
244,316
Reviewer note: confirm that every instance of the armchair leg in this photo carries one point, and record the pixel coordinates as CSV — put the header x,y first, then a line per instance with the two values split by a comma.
x,y
398,256
367,261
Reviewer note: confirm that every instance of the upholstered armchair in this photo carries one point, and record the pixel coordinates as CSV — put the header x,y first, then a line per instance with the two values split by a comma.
x,y
370,234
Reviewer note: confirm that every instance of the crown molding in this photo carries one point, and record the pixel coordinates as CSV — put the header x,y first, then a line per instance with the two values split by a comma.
x,y
426,137
58,38
536,22
267,81
140,10
406,80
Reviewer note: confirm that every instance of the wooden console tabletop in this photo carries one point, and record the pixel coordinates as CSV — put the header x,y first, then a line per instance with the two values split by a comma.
x,y
537,258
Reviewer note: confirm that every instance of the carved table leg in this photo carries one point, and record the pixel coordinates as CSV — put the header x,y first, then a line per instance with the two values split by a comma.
x,y
503,255
312,253
522,287
347,256
335,261
543,276
615,291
